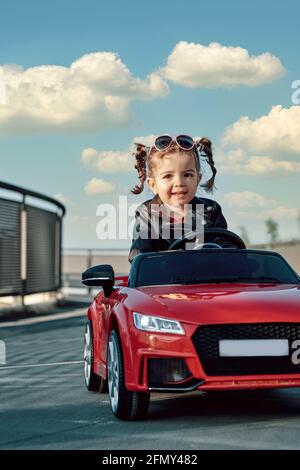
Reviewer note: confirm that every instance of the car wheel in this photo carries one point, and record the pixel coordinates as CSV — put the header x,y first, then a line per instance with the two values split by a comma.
x,y
125,404
92,380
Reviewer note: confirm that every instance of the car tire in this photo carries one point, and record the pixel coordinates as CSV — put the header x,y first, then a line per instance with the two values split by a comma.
x,y
93,381
125,404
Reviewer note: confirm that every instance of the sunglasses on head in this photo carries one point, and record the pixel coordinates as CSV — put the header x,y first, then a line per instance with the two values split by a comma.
x,y
163,142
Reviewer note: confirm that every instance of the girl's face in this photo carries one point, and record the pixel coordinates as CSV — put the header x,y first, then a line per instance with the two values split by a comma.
x,y
175,179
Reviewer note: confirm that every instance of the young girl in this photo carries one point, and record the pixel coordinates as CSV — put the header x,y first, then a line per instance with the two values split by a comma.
x,y
171,168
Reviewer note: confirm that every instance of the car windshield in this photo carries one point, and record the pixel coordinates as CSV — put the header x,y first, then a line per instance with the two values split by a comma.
x,y
214,266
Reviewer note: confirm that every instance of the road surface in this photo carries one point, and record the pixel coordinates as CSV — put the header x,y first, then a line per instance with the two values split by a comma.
x,y
45,405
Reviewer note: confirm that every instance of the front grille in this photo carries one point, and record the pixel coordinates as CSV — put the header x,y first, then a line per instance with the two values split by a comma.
x,y
206,342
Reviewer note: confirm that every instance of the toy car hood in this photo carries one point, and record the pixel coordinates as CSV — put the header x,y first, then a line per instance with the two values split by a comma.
x,y
236,303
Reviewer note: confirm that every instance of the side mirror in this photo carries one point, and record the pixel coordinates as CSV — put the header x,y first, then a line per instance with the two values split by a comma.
x,y
102,275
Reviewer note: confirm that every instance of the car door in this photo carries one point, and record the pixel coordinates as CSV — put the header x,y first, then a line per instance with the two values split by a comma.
x,y
99,329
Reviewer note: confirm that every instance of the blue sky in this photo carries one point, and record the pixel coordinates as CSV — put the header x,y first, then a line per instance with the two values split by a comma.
x,y
143,34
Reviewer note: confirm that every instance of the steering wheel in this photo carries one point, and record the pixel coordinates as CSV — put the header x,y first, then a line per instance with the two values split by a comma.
x,y
216,234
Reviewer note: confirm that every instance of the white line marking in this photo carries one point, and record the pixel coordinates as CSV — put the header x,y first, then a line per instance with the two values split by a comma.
x,y
41,365
45,341
54,317
29,377
39,386
2,353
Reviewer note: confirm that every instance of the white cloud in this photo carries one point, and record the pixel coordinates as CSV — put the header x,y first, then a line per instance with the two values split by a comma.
x,y
258,166
251,206
96,90
99,186
248,199
107,161
251,210
273,138
63,199
147,140
114,161
277,132
284,212
94,93
195,65
279,213
262,165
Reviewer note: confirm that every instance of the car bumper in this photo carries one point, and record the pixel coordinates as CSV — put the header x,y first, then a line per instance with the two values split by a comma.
x,y
151,347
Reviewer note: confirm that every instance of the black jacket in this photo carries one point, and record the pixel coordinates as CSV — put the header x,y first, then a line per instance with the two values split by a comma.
x,y
211,217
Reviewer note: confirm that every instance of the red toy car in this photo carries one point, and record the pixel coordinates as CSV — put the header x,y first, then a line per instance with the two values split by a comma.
x,y
204,319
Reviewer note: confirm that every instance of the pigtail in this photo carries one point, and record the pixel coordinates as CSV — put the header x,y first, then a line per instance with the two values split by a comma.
x,y
140,157
204,145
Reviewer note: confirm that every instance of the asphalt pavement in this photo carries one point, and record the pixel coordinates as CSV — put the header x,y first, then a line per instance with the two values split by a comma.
x,y
45,405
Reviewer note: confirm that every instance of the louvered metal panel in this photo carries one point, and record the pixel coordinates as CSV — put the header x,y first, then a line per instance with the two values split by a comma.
x,y
10,263
43,250
30,244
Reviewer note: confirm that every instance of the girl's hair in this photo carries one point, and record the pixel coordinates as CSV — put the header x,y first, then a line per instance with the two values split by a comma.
x,y
145,161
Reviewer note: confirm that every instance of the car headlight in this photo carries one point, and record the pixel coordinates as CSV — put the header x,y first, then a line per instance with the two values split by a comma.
x,y
162,325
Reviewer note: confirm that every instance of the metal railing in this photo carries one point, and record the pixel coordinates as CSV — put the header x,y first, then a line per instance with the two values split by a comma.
x,y
30,242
